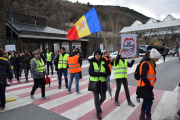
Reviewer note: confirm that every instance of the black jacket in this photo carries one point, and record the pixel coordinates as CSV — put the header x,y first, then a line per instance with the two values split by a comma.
x,y
145,92
16,62
5,71
101,86
26,61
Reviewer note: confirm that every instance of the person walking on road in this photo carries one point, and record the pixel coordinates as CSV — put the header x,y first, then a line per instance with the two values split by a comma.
x,y
146,83
16,65
98,71
61,59
38,74
110,63
164,56
26,62
49,59
74,69
120,73
5,70
80,55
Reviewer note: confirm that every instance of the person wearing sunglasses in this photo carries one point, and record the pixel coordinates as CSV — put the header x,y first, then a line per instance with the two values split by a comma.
x,y
120,73
98,71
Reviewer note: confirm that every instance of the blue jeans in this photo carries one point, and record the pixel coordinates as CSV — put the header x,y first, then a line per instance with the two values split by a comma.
x,y
146,106
2,96
108,81
49,63
60,71
20,72
72,75
26,73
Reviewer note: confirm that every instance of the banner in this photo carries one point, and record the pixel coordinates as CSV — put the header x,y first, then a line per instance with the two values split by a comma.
x,y
128,43
10,48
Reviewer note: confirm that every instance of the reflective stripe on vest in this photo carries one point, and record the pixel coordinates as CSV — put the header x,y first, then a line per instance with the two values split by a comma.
x,y
49,56
98,69
39,65
9,57
150,75
120,70
74,66
62,63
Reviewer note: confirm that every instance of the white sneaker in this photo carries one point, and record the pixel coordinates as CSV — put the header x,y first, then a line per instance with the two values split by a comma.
x,y
32,97
69,92
78,93
45,98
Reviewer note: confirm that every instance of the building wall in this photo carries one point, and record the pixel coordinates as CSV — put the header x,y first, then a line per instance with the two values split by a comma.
x,y
2,25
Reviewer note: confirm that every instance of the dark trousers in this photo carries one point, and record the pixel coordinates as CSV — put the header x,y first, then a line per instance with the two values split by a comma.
x,y
125,84
164,57
146,106
60,71
49,63
17,73
36,85
98,102
2,96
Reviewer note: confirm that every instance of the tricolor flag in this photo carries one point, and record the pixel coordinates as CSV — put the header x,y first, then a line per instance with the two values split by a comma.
x,y
89,23
157,44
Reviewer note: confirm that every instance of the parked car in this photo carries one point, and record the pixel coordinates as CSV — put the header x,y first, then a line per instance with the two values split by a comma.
x,y
90,57
114,55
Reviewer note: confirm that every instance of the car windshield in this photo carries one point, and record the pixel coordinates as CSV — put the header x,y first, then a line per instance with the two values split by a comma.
x,y
115,53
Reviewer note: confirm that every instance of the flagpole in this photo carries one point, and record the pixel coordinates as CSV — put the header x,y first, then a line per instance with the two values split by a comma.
x,y
96,40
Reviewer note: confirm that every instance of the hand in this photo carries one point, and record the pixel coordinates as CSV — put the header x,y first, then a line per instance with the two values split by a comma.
x,y
134,57
16,55
120,51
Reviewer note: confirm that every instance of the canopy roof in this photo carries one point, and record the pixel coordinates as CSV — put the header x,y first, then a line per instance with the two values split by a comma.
x,y
153,24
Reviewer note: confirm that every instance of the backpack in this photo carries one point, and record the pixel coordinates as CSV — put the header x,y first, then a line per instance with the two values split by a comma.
x,y
48,81
136,73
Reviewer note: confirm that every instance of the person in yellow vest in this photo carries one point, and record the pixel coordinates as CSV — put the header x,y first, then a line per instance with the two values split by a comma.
x,y
74,68
98,71
5,68
38,74
146,83
120,74
62,66
49,60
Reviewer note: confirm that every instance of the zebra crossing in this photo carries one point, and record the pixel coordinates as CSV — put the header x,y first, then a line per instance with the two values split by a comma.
x,y
81,107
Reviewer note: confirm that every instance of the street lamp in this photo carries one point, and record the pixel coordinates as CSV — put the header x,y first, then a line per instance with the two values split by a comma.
x,y
96,32
11,21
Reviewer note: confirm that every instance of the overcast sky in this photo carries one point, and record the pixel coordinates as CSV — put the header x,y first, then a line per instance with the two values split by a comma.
x,y
157,9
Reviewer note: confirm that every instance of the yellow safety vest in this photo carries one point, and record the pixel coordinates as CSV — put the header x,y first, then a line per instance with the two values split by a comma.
x,y
120,70
39,65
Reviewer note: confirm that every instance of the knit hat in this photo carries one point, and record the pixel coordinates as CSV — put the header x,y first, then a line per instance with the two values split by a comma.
x,y
36,52
154,54
98,51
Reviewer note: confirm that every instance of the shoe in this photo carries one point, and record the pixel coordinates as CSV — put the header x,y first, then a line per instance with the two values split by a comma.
x,y
138,100
32,97
45,98
131,104
27,81
7,85
148,117
117,103
66,86
142,115
69,92
178,112
99,116
18,81
78,93
59,87
2,109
